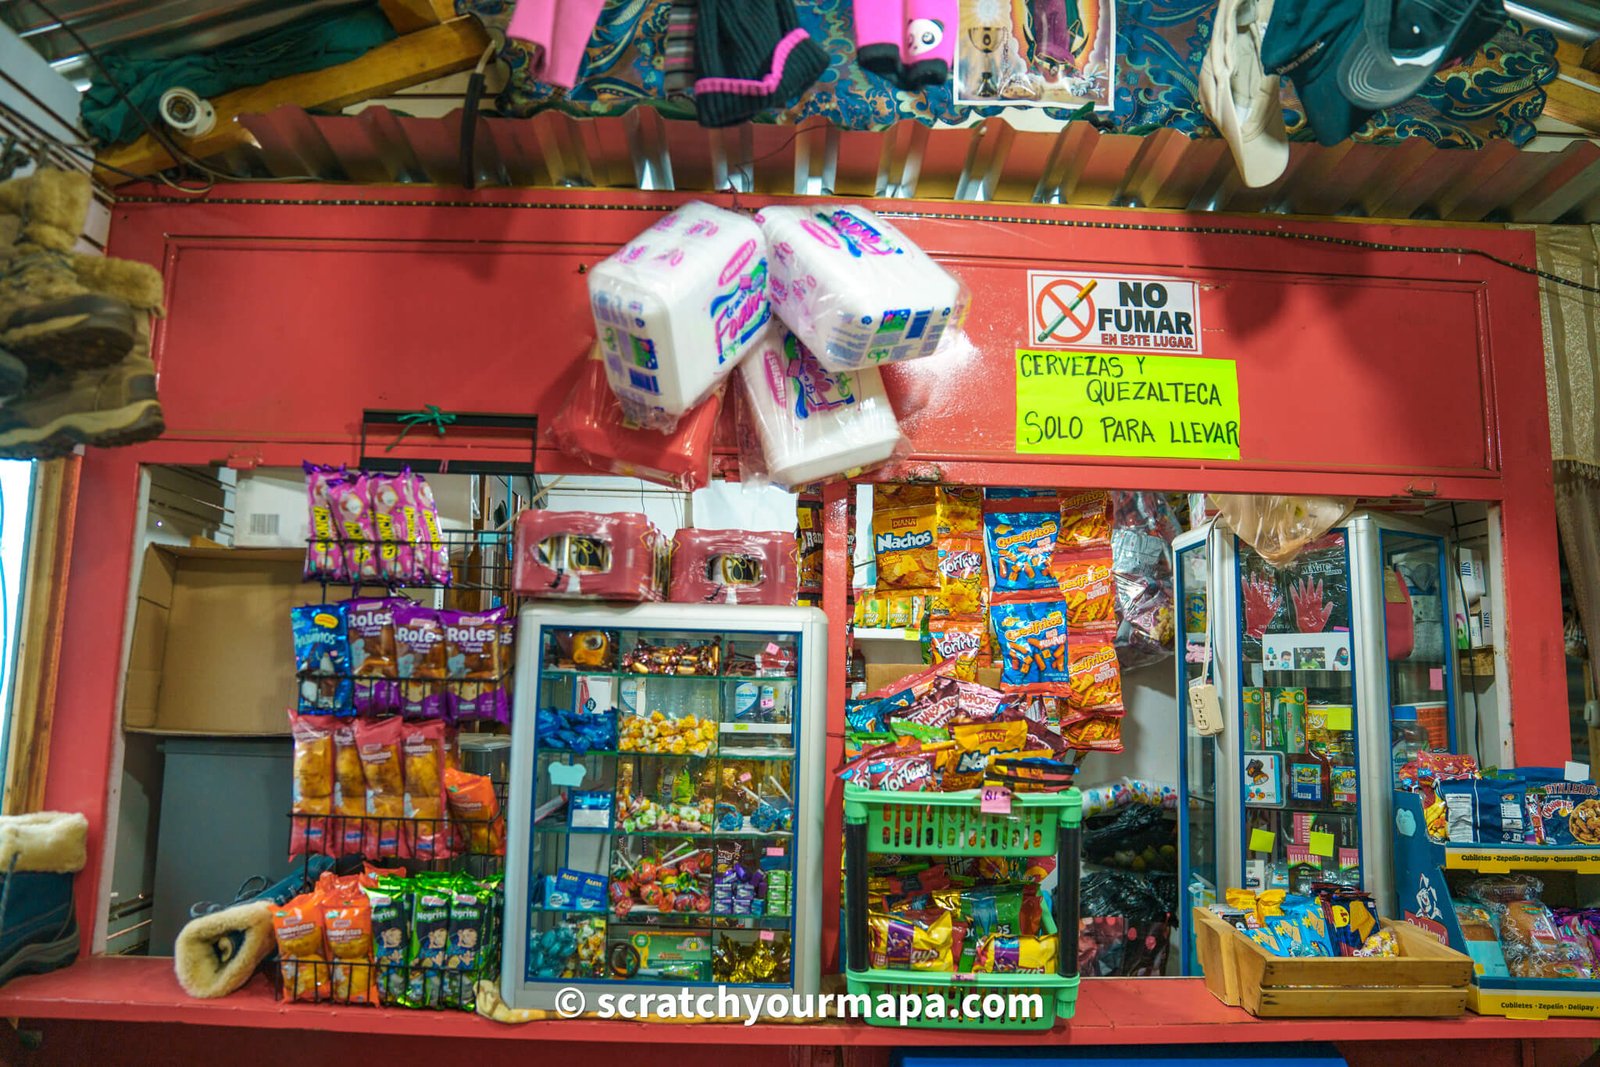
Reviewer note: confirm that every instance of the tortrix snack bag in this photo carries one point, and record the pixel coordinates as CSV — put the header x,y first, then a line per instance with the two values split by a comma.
x,y
961,584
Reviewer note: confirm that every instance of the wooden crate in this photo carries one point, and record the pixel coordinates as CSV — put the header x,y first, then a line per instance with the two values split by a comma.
x,y
1427,979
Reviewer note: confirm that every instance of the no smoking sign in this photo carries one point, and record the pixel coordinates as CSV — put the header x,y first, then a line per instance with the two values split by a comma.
x,y
1113,312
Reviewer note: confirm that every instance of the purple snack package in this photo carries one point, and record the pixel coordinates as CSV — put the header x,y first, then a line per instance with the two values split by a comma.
x,y
474,666
373,666
419,661
435,557
324,557
394,516
352,506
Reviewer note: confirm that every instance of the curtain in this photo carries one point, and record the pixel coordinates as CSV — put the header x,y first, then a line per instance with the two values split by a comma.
x,y
1571,322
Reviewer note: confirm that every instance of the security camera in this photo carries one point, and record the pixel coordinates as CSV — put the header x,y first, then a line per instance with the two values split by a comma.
x,y
186,112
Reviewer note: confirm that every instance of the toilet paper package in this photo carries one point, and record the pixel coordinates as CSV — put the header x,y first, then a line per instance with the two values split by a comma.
x,y
591,427
586,555
855,289
812,423
734,567
677,308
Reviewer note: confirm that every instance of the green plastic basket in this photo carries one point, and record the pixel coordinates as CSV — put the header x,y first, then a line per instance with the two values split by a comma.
x,y
1058,997
951,824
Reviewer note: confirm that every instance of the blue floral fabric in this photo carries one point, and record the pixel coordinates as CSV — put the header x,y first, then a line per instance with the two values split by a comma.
x,y
1160,44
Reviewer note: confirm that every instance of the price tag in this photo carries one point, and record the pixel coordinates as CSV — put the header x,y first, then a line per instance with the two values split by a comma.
x,y
964,976
1436,678
996,800
767,935
737,727
1320,843
775,851
745,777
772,648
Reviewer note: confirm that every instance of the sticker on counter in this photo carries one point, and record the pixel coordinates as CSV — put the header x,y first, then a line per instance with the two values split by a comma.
x,y
1113,312
1088,404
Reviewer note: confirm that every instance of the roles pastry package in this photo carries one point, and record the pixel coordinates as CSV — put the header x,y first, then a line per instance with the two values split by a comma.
x,y
591,426
677,308
811,423
733,567
585,555
855,290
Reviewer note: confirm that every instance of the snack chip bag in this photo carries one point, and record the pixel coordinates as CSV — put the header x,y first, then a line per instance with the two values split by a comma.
x,y
1089,589
347,925
1096,733
430,947
1095,676
960,511
473,663
391,937
886,496
433,553
1032,638
324,553
297,926
369,625
913,940
351,500
998,954
464,947
322,657
476,811
975,743
394,517
1020,546
382,765
313,783
902,540
348,830
1563,813
1085,519
427,835
961,586
960,641
419,642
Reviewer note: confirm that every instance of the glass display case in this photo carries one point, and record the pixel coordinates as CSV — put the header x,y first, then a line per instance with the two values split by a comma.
x,y
666,804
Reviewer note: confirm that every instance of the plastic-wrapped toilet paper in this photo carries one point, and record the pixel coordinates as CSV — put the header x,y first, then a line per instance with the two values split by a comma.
x,y
814,423
854,289
677,308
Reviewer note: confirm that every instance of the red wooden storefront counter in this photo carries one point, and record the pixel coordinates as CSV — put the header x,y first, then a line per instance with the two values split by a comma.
x,y
1363,372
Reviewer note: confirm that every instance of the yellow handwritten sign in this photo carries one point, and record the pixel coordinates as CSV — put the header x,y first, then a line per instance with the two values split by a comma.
x,y
1089,404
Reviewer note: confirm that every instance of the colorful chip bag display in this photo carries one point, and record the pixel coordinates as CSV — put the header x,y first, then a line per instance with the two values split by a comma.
x,y
1085,519
1032,639
297,926
370,627
1095,678
961,580
1020,545
961,641
960,511
1089,589
903,542
998,954
922,940
351,499
324,552
975,744
398,528
473,663
420,664
322,657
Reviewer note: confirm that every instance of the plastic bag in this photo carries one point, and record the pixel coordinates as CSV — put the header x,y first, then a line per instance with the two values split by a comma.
x,y
587,555
799,423
677,308
733,567
592,427
1126,922
1143,525
1278,527
856,290
1137,837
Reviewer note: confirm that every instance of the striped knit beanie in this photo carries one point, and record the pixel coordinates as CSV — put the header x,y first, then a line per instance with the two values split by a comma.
x,y
752,57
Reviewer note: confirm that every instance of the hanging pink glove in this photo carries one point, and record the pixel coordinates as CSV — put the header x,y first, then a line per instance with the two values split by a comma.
x,y
1311,609
1261,604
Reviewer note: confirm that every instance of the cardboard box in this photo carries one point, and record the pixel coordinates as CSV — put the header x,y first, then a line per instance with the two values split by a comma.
x,y
212,651
883,675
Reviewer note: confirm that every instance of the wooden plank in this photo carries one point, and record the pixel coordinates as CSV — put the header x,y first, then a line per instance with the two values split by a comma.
x,y
1425,962
1581,61
417,57
1214,945
44,604
1426,1001
1575,101
409,16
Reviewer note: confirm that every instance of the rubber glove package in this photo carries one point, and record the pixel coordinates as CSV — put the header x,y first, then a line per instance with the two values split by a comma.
x,y
677,308
855,289
733,567
585,555
813,423
591,427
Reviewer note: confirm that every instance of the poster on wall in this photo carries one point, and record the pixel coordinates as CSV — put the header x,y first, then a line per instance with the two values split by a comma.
x,y
1306,652
1036,53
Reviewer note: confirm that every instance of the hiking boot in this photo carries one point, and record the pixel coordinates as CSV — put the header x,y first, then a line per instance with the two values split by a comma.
x,y
39,854
97,406
46,314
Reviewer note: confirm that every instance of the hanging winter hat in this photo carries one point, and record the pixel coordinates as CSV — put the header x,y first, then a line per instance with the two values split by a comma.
x,y
753,57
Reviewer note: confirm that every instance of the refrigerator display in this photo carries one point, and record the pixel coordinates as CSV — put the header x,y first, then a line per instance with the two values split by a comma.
x,y
666,807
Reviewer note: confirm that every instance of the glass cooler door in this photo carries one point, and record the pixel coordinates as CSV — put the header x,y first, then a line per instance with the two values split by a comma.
x,y
1416,618
1198,767
663,822
1299,761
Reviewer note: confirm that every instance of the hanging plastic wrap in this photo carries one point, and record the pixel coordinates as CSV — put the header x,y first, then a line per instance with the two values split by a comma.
x,y
733,567
1142,528
855,289
592,427
1278,527
801,423
589,556
677,308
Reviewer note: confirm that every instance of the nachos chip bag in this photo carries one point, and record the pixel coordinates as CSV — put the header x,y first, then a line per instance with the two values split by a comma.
x,y
902,541
975,743
1020,545
1095,678
1032,640
961,584
1089,589
1085,519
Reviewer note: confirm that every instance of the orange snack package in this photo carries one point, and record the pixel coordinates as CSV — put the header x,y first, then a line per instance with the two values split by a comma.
x,y
960,511
313,783
379,746
903,542
1089,588
422,746
960,640
476,812
347,927
961,585
1101,733
348,829
1085,519
298,929
1094,677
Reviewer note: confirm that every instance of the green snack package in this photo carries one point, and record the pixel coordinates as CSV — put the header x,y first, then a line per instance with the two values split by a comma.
x,y
926,734
430,942
390,940
464,947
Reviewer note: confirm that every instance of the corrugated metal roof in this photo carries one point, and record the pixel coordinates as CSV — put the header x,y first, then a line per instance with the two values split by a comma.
x,y
1076,165
167,27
